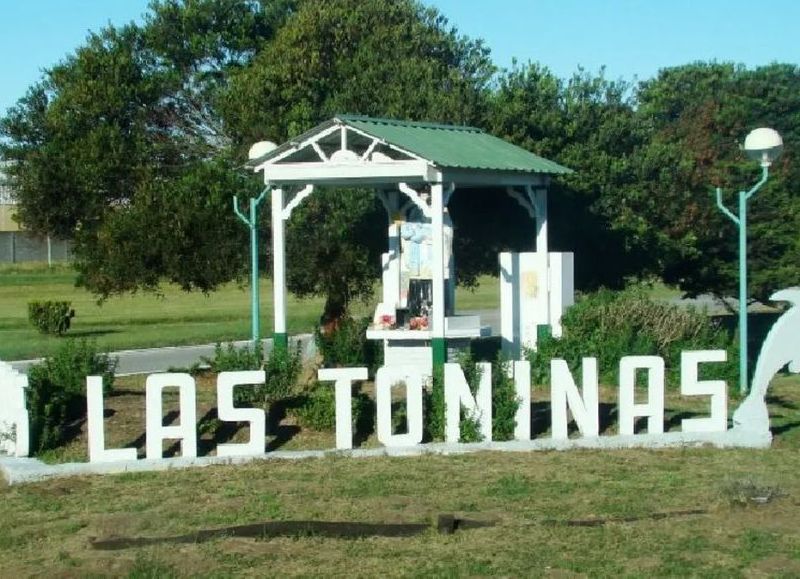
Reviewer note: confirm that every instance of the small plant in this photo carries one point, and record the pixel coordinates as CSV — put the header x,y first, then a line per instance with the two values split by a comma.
x,y
505,401
470,427
56,392
347,345
434,404
433,407
318,410
51,317
282,367
746,492
230,358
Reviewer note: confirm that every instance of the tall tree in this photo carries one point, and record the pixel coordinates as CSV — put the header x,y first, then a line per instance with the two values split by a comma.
x,y
116,132
587,123
698,114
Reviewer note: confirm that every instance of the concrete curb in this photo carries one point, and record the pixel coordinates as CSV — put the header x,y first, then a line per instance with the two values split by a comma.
x,y
25,470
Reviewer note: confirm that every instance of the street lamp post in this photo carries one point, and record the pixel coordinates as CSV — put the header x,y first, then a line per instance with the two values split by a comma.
x,y
251,221
763,145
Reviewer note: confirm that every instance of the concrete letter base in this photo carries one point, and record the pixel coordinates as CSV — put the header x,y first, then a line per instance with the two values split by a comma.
x,y
22,470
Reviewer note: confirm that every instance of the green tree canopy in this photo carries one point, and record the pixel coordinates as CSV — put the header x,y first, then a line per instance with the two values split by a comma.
x,y
108,143
697,115
133,144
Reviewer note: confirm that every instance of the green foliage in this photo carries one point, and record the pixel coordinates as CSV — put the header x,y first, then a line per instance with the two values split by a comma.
x,y
282,367
230,358
697,114
131,146
609,325
120,147
391,58
347,345
433,407
587,123
56,392
51,317
434,404
318,409
469,425
505,401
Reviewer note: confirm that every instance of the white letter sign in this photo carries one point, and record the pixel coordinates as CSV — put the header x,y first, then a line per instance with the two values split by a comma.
x,y
564,392
227,412
717,389
344,378
186,431
97,434
458,394
653,409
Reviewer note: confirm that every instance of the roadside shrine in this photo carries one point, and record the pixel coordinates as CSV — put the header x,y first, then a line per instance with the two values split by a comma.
x,y
415,169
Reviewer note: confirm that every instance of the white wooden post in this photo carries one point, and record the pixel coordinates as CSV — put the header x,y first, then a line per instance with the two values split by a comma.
x,y
437,222
542,248
279,267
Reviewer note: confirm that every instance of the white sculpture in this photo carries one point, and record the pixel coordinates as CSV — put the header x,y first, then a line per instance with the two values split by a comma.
x,y
781,347
13,413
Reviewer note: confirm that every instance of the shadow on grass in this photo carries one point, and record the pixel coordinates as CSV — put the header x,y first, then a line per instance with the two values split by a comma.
x,y
780,401
138,442
541,418
675,420
283,433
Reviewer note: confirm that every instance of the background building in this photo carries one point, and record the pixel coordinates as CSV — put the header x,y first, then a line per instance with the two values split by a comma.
x,y
17,245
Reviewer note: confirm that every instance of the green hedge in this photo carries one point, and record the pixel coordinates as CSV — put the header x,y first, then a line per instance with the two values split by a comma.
x,y
56,392
609,325
51,317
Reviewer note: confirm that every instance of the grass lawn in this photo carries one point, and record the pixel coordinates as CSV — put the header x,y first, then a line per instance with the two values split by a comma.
x,y
144,320
47,527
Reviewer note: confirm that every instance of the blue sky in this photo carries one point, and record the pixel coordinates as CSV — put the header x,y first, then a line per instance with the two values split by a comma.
x,y
631,38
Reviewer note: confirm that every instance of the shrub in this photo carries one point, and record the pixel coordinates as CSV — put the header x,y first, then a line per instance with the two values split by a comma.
x,y
505,401
231,359
51,317
282,366
318,409
609,325
347,345
283,369
57,390
433,407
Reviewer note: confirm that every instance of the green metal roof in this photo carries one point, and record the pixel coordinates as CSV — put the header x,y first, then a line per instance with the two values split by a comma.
x,y
447,146
454,146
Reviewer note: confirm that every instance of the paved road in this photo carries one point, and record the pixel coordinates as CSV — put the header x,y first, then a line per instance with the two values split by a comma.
x,y
152,360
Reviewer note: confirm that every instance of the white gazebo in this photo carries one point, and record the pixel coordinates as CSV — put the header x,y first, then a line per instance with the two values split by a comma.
x,y
415,169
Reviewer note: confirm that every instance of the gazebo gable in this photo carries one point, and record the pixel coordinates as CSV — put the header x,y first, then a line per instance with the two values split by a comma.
x,y
352,149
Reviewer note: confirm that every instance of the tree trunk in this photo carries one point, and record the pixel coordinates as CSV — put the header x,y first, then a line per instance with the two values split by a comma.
x,y
334,313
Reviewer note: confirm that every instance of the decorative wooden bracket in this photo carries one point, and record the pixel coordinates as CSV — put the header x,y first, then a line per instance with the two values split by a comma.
x,y
296,200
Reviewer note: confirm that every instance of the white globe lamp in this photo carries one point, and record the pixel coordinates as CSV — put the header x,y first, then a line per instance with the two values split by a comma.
x,y
763,145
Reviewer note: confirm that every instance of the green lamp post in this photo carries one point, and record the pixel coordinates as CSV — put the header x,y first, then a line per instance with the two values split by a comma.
x,y
251,222
763,145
